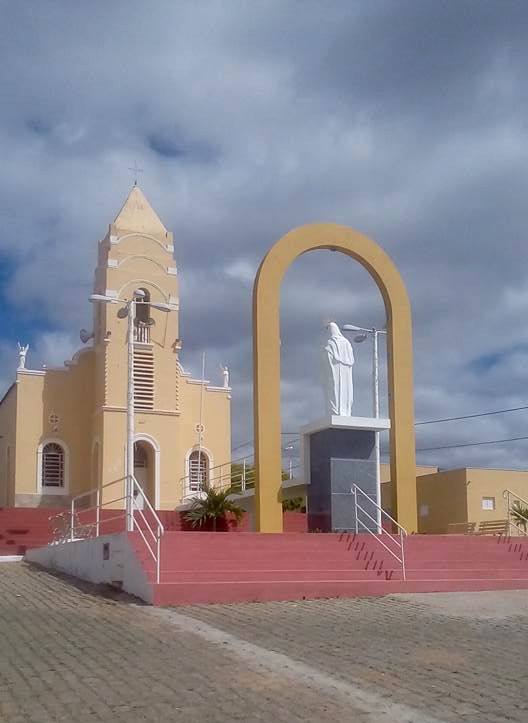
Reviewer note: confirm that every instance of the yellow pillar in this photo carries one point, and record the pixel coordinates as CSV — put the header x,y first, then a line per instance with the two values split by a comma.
x,y
266,366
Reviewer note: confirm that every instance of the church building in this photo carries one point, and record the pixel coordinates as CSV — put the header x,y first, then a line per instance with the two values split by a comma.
x,y
63,431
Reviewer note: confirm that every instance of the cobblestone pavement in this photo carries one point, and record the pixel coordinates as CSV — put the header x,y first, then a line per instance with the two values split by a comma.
x,y
70,652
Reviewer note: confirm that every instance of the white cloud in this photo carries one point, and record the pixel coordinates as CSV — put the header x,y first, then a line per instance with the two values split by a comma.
x,y
250,119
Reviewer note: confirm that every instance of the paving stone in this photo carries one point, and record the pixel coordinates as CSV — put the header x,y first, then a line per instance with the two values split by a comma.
x,y
72,652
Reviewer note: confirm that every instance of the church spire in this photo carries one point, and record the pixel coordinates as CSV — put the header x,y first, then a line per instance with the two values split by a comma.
x,y
138,215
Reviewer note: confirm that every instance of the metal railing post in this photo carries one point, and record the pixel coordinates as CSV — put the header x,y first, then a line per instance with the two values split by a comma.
x,y
158,555
244,475
97,511
133,503
72,517
356,508
402,554
393,538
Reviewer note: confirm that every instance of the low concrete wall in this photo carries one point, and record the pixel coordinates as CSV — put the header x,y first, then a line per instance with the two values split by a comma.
x,y
85,559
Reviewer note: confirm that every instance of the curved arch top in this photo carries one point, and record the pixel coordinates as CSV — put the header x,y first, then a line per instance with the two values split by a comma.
x,y
266,365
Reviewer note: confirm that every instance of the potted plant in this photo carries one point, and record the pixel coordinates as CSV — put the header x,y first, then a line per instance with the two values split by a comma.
x,y
214,505
519,515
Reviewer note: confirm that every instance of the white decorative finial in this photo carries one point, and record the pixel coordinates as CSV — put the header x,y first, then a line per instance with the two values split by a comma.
x,y
225,373
22,351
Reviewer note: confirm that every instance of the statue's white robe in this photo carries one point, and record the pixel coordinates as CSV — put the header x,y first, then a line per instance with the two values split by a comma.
x,y
338,359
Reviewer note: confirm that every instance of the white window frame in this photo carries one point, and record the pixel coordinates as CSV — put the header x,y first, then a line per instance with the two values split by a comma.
x,y
206,452
43,490
488,499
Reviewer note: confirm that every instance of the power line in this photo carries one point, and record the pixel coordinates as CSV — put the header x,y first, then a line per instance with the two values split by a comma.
x,y
471,416
250,441
438,421
472,444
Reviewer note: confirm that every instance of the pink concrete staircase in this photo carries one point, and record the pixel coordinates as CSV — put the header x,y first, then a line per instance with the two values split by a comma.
x,y
223,568
207,567
24,528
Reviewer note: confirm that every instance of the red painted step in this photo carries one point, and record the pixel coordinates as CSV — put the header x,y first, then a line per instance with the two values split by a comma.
x,y
257,567
24,528
230,592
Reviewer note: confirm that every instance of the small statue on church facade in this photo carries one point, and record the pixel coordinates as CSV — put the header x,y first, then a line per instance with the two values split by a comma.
x,y
22,352
225,374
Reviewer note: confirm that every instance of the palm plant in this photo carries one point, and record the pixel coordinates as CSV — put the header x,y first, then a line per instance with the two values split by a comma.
x,y
213,505
294,504
520,515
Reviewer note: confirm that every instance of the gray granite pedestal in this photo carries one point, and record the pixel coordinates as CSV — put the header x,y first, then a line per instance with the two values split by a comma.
x,y
339,452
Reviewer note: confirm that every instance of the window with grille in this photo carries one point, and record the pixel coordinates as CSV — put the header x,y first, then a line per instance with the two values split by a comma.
x,y
143,378
53,466
198,471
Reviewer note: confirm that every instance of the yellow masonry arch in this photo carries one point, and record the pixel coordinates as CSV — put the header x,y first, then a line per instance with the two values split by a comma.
x,y
266,366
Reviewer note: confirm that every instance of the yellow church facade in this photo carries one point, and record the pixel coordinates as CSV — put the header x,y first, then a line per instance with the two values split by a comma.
x,y
64,430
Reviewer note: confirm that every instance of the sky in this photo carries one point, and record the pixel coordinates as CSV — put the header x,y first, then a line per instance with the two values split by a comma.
x,y
404,120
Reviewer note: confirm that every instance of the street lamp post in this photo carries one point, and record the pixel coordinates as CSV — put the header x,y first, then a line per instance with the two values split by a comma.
x,y
374,333
130,311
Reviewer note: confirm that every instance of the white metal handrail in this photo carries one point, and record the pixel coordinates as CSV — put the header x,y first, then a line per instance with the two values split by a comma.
x,y
402,532
97,507
156,531
222,476
508,494
160,530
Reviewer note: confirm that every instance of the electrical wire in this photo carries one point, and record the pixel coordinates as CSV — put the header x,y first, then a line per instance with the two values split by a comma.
x,y
472,444
471,416
438,421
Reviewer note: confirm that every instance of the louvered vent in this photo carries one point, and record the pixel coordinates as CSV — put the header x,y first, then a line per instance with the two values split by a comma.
x,y
143,378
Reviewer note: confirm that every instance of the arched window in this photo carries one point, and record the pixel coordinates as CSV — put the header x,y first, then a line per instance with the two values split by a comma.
x,y
53,466
198,470
143,316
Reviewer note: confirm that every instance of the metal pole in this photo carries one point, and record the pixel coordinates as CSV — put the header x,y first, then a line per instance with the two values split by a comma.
x,y
200,424
158,553
97,511
244,475
402,541
375,381
130,418
355,508
509,516
72,516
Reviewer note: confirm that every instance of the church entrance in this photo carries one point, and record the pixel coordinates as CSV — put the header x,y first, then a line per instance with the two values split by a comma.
x,y
144,472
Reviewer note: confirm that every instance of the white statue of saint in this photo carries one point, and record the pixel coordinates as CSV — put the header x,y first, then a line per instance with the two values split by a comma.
x,y
338,359
22,352
225,374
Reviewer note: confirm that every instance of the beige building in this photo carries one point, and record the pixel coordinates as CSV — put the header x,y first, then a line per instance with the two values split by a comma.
x,y
63,430
466,495
449,500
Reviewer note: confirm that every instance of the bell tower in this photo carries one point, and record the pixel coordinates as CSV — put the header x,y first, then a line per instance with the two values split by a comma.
x,y
135,260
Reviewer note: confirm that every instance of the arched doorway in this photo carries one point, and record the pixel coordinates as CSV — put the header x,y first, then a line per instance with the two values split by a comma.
x,y
145,472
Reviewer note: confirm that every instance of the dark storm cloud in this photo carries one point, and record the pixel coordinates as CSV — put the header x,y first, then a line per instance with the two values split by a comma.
x,y
406,120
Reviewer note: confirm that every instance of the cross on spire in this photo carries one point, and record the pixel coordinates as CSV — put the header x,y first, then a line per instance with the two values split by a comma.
x,y
137,171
